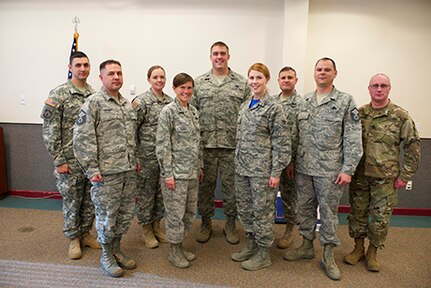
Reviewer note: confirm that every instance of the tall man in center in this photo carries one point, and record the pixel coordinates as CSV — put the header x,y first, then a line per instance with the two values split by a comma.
x,y
218,95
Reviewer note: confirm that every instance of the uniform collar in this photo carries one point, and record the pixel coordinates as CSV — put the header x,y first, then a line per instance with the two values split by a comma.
x,y
108,97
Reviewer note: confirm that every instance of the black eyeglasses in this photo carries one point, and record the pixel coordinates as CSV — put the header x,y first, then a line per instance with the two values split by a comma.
x,y
383,86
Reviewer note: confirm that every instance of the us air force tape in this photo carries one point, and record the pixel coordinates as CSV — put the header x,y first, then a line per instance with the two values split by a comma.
x,y
355,114
82,118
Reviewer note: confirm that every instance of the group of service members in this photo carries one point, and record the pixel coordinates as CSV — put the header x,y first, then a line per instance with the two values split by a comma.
x,y
170,152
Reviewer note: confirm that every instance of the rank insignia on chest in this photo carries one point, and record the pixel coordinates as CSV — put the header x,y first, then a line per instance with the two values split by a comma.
x,y
82,118
355,115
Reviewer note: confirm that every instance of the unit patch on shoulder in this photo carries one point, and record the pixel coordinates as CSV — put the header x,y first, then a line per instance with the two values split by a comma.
x,y
51,102
47,112
354,113
82,118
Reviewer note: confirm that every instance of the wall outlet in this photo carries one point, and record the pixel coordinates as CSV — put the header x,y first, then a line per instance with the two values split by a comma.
x,y
22,100
409,185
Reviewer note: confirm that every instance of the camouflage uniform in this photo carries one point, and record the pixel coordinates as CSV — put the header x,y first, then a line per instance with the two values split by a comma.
x,y
262,151
218,105
104,141
372,190
59,114
329,143
287,186
150,199
179,154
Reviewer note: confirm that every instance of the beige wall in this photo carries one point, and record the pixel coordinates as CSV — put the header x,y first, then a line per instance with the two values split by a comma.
x,y
363,37
369,36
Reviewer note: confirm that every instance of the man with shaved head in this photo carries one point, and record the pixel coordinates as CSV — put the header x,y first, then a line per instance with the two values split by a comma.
x,y
386,128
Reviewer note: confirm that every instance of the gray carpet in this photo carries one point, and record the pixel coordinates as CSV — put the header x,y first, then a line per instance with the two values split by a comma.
x,y
27,274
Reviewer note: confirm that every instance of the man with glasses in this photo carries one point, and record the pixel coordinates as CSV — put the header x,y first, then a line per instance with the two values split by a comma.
x,y
373,191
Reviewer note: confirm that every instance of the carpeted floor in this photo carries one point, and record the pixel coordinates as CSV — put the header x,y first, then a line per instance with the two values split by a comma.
x,y
33,253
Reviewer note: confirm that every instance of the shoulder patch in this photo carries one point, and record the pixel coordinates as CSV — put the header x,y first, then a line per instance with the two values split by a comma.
x,y
47,112
354,113
82,118
51,102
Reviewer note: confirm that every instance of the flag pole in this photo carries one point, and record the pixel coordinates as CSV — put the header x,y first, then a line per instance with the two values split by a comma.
x,y
74,43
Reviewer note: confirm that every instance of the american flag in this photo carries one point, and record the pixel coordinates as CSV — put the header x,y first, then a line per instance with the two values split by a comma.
x,y
73,49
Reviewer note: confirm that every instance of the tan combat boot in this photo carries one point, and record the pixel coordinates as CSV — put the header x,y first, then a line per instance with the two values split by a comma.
x,y
158,232
287,240
122,260
230,231
258,261
205,231
305,251
177,257
148,237
357,254
90,241
248,251
372,263
328,263
75,249
189,255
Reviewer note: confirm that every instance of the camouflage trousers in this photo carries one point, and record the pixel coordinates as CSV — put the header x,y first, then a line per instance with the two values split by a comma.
x,y
150,200
289,197
222,161
316,191
372,201
78,210
114,200
255,200
180,206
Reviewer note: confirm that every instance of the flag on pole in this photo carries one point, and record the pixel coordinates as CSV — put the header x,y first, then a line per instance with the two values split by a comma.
x,y
73,49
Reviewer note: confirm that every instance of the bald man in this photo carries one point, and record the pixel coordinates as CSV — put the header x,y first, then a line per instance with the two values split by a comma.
x,y
373,190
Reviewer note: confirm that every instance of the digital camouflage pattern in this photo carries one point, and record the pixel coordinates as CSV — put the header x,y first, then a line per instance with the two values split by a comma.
x,y
372,192
316,191
178,142
104,141
221,160
256,208
180,208
263,151
329,143
150,200
329,135
114,201
263,141
104,138
218,106
287,186
179,152
148,107
59,114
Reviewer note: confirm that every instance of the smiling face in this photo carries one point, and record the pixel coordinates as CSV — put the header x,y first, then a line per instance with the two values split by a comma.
x,y
80,68
157,80
287,81
324,73
257,82
184,92
219,58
